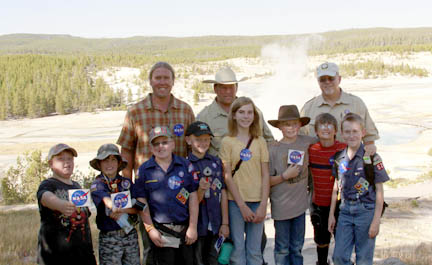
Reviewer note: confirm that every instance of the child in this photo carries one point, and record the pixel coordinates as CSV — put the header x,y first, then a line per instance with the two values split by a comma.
x,y
245,160
320,164
116,245
212,197
289,183
361,201
168,184
64,235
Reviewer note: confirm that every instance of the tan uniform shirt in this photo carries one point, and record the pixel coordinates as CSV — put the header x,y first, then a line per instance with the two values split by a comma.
x,y
346,103
217,119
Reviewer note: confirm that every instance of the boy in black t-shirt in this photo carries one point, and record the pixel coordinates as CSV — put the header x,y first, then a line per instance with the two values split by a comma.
x,y
64,235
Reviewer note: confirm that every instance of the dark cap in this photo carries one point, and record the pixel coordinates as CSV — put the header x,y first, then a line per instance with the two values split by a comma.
x,y
159,131
58,148
198,128
105,151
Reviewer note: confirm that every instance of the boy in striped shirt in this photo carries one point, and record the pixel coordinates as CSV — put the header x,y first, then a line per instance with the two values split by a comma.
x,y
320,163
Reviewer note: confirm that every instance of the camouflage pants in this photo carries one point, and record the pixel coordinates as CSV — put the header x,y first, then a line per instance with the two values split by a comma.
x,y
117,248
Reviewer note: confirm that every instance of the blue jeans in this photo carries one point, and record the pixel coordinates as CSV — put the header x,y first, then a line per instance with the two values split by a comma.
x,y
289,240
353,230
247,251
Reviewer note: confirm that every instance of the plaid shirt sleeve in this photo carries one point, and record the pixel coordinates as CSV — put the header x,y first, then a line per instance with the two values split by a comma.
x,y
127,138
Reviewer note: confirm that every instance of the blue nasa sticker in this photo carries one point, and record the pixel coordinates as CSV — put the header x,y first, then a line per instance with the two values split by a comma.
x,y
174,182
245,154
79,198
178,129
343,166
331,161
120,200
295,157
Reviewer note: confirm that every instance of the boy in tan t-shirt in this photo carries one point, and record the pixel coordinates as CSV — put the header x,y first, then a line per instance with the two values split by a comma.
x,y
289,181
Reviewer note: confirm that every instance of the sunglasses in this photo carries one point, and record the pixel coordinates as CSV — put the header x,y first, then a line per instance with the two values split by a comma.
x,y
324,79
163,143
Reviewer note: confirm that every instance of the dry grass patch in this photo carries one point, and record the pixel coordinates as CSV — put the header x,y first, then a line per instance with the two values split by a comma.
x,y
18,236
410,254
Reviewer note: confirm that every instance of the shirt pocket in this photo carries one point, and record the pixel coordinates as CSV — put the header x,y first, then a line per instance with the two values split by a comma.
x,y
152,185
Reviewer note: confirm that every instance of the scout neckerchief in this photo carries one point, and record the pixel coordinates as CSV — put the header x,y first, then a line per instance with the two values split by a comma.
x,y
112,185
241,160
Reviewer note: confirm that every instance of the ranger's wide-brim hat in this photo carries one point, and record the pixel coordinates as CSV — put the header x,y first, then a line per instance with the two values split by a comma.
x,y
225,76
289,113
105,151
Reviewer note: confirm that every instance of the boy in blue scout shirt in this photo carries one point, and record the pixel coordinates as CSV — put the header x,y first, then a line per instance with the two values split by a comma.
x,y
361,202
213,202
117,245
168,184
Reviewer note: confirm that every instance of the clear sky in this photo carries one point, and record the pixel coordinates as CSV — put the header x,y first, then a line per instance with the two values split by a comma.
x,y
126,18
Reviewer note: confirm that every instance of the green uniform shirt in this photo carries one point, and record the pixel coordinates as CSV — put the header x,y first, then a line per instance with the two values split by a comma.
x,y
217,119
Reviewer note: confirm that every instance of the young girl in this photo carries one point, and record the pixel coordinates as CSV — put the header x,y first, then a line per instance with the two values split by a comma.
x,y
248,186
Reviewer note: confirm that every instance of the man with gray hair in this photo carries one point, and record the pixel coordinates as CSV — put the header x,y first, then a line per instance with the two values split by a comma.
x,y
338,103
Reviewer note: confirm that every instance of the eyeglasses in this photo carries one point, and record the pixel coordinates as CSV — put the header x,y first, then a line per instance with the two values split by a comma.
x,y
324,79
163,143
324,126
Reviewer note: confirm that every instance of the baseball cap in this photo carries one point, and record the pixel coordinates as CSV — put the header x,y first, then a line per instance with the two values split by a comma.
x,y
159,131
58,148
198,128
105,151
330,69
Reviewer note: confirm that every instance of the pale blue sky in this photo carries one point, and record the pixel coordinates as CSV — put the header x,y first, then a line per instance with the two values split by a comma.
x,y
125,18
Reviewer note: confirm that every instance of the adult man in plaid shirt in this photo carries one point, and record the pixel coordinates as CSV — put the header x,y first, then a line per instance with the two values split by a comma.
x,y
159,108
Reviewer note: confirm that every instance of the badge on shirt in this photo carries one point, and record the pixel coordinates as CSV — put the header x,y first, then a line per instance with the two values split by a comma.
x,y
207,172
93,187
343,166
125,184
245,154
79,197
121,200
219,243
182,196
181,174
380,166
217,183
174,182
178,129
295,157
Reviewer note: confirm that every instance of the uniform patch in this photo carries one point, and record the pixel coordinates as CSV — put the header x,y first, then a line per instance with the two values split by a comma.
x,y
190,168
218,183
367,160
174,182
376,160
361,186
195,176
207,171
182,196
181,174
125,184
93,187
380,166
178,129
214,165
151,181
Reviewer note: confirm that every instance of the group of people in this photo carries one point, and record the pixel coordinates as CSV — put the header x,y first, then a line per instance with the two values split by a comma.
x,y
195,182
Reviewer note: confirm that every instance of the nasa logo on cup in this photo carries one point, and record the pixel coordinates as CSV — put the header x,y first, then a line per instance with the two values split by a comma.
x,y
121,199
295,157
79,197
178,129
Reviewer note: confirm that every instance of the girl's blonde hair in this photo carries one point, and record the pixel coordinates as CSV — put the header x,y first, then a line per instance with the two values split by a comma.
x,y
254,129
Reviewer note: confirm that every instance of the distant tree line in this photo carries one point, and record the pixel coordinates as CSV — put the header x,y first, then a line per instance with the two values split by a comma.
x,y
374,69
38,85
